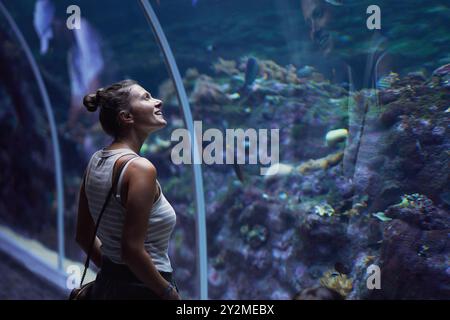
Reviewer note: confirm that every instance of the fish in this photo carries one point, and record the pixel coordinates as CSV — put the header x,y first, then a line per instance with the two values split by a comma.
x,y
251,71
381,216
44,12
386,82
335,2
86,60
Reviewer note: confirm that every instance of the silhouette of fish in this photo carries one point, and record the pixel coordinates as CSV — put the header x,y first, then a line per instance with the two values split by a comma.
x,y
85,61
386,81
251,71
44,12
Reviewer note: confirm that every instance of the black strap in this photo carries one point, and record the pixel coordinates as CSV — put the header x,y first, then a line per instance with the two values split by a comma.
x,y
113,187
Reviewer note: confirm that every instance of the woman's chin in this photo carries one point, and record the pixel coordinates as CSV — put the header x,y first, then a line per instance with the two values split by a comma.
x,y
155,127
161,123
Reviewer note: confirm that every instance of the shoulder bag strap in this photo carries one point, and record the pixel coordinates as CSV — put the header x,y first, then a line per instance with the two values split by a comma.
x,y
113,187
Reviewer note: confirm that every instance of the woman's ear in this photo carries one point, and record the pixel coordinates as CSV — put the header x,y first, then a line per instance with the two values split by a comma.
x,y
125,117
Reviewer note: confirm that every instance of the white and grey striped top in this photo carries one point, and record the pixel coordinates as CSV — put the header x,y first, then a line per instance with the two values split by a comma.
x,y
162,217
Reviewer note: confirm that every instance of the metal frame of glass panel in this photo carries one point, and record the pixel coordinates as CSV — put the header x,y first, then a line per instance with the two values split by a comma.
x,y
202,263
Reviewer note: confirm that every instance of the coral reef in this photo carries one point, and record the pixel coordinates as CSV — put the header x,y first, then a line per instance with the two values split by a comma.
x,y
414,263
343,203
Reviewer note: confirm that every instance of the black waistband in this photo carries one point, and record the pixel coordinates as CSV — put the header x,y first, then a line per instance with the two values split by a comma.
x,y
121,272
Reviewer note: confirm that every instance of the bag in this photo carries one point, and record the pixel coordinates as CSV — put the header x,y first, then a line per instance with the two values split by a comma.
x,y
83,293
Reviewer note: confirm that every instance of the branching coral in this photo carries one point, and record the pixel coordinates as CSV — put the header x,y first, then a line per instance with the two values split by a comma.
x,y
322,163
337,282
271,70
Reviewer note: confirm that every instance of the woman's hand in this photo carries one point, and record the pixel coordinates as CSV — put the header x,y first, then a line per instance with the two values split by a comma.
x,y
173,295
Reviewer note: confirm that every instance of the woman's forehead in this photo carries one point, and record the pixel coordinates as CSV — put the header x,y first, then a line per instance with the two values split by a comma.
x,y
137,90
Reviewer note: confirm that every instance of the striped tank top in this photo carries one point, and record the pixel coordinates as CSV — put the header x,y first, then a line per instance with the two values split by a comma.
x,y
162,217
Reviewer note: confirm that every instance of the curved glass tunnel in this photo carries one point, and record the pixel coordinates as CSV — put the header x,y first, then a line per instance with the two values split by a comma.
x,y
363,141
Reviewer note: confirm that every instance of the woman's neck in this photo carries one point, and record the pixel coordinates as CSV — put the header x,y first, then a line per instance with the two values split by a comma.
x,y
134,143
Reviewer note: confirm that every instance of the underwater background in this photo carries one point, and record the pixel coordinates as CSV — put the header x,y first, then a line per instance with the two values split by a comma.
x,y
364,125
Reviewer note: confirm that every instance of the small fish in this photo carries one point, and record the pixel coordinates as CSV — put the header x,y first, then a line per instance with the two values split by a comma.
x,y
381,216
335,2
251,71
44,12
386,82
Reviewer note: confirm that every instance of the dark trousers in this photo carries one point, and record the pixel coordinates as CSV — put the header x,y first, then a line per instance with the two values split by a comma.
x,y
118,282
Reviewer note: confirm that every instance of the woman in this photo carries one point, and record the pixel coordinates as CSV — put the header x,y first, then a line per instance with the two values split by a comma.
x,y
131,247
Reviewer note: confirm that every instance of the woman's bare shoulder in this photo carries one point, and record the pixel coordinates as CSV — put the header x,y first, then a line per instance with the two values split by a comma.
x,y
142,166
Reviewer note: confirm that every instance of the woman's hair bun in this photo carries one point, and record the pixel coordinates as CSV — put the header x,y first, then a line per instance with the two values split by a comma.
x,y
90,101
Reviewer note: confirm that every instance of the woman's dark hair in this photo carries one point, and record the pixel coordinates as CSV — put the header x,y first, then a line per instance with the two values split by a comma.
x,y
111,101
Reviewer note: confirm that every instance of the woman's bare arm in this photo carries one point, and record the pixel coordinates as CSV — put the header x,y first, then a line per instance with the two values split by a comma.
x,y
86,229
140,181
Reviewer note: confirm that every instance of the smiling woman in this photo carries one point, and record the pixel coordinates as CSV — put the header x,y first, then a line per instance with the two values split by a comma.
x,y
131,245
118,100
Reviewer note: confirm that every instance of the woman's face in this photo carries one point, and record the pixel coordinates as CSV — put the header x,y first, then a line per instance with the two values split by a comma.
x,y
146,110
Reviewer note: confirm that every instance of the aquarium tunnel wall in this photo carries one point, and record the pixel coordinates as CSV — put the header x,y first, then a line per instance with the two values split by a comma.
x,y
318,162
